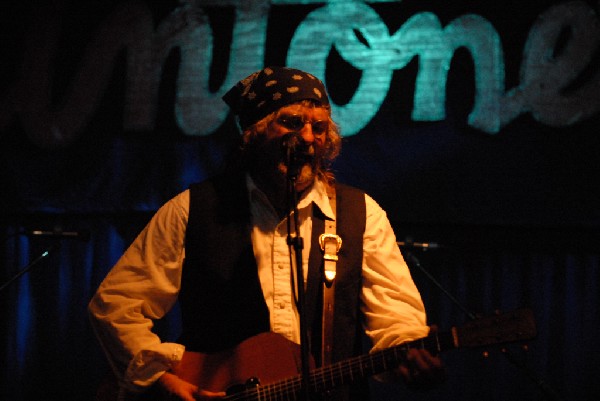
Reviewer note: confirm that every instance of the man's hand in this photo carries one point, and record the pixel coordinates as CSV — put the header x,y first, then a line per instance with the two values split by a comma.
x,y
421,369
178,389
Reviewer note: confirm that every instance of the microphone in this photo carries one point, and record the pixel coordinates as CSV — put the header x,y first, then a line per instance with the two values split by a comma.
x,y
292,140
59,234
419,245
297,152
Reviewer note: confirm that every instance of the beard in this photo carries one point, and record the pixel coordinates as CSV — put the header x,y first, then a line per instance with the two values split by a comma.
x,y
305,176
273,165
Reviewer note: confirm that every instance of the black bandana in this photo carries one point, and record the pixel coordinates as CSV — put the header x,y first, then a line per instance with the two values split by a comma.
x,y
265,91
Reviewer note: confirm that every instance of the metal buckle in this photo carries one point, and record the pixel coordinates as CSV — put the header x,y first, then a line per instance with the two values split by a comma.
x,y
324,238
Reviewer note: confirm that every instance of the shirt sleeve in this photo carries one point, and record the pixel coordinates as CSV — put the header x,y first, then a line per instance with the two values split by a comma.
x,y
391,303
142,286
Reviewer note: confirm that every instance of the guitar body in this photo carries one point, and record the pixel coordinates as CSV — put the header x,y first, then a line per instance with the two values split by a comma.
x,y
263,359
267,357
268,366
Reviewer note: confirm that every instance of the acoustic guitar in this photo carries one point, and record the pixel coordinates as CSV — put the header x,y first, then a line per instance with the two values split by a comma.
x,y
267,366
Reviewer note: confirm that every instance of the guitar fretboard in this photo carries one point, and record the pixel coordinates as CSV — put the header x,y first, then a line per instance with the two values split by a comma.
x,y
345,372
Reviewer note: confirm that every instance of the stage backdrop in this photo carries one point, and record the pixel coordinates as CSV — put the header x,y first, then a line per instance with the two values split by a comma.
x,y
474,124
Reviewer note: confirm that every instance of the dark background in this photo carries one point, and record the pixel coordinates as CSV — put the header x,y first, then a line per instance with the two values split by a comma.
x,y
516,214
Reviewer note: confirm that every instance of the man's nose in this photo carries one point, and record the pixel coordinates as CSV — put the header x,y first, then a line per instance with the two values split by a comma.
x,y
307,133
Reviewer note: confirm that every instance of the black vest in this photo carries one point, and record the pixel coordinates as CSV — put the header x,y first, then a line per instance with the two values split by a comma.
x,y
221,300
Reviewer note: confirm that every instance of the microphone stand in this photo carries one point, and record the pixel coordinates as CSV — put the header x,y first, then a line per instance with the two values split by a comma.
x,y
549,392
296,242
29,266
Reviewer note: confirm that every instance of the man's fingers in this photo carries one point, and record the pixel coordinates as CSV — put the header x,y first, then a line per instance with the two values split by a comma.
x,y
423,360
209,395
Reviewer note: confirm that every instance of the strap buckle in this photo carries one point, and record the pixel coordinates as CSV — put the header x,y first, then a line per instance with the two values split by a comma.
x,y
324,240
330,245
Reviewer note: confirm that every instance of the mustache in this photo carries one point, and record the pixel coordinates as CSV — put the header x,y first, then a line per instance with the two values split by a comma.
x,y
297,153
263,153
294,146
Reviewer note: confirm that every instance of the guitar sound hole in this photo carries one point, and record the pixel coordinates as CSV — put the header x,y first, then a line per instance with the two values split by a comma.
x,y
252,382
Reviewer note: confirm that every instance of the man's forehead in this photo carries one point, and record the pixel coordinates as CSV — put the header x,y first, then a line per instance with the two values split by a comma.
x,y
298,108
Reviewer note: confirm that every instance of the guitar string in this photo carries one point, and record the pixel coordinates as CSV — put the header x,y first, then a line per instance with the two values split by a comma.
x,y
379,362
335,374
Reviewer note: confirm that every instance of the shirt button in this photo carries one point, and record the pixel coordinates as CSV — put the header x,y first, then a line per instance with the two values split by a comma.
x,y
282,305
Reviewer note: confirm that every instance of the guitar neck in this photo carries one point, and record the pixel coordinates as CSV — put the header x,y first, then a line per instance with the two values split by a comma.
x,y
364,366
345,372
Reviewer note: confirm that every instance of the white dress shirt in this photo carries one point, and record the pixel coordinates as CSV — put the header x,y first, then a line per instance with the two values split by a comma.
x,y
144,284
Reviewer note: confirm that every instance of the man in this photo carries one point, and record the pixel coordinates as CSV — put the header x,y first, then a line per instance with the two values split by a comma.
x,y
222,249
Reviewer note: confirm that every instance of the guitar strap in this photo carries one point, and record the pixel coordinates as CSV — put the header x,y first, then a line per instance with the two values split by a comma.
x,y
330,244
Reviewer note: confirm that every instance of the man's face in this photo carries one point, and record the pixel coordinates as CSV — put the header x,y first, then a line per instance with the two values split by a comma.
x,y
312,124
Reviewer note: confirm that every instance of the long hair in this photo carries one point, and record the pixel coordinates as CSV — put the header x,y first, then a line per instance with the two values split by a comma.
x,y
330,150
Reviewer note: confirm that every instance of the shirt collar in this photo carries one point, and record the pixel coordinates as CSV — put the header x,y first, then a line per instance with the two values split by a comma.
x,y
317,195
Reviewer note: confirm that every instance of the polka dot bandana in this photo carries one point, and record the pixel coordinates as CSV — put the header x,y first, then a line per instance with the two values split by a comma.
x,y
265,91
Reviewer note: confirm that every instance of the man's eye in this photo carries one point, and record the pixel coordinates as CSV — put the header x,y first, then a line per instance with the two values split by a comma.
x,y
292,122
320,127
297,123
